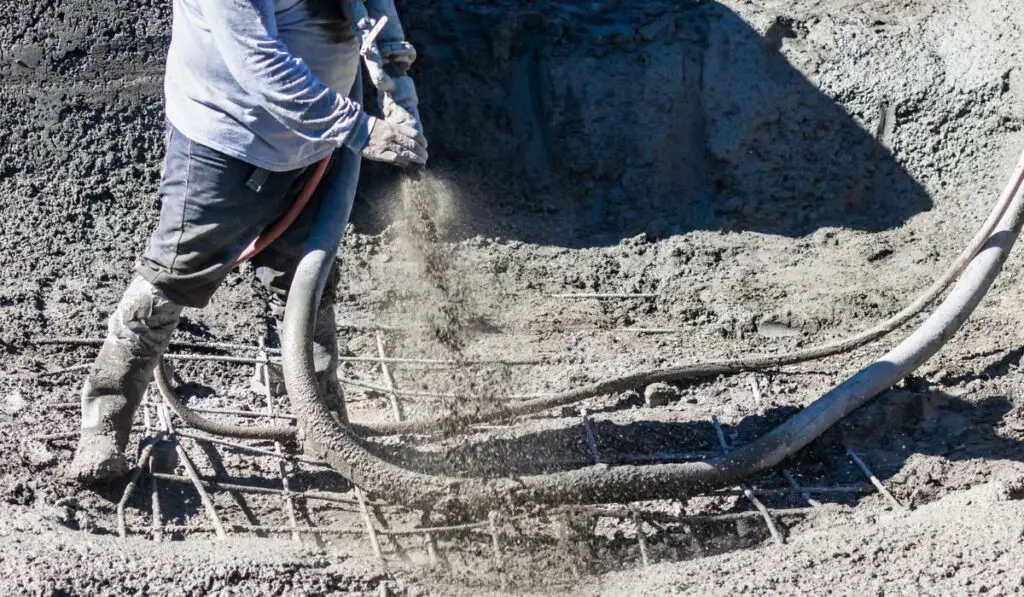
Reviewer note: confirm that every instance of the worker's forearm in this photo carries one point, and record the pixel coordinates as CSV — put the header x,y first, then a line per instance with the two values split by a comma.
x,y
400,103
245,32
398,54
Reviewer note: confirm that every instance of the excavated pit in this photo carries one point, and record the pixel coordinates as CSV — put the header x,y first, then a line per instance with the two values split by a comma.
x,y
762,176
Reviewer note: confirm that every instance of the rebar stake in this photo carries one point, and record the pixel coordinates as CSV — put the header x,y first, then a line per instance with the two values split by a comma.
x,y
797,487
399,415
154,486
874,480
371,532
772,529
193,475
492,523
641,540
389,380
289,505
430,544
140,465
383,522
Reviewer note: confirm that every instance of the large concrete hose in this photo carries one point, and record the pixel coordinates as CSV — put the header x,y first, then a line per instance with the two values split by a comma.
x,y
633,380
601,483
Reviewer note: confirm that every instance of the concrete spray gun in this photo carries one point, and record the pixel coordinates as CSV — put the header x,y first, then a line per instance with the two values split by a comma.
x,y
387,57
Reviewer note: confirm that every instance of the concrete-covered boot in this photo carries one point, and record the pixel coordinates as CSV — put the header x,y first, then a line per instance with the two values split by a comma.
x,y
325,357
138,332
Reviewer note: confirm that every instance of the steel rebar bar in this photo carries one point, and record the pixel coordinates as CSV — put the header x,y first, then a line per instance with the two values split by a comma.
x,y
218,485
154,487
255,528
275,352
253,449
141,464
371,532
640,539
806,495
389,380
874,480
747,492
193,475
289,505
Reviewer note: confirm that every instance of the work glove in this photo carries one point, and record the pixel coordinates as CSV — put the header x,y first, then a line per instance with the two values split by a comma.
x,y
401,105
393,143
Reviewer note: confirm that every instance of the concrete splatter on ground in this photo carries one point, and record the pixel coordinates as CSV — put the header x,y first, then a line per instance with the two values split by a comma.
x,y
762,175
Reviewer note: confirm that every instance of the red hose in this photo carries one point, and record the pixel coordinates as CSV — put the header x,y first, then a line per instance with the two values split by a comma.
x,y
277,229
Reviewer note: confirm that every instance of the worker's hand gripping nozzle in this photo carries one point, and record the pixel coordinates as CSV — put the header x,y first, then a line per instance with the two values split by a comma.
x,y
387,57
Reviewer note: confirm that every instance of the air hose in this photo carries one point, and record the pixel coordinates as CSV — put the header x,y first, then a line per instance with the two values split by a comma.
x,y
473,496
275,231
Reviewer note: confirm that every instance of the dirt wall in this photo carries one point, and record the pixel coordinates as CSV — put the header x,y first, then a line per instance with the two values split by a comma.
x,y
599,119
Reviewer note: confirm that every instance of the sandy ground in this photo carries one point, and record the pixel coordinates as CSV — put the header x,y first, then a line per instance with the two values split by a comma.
x,y
773,174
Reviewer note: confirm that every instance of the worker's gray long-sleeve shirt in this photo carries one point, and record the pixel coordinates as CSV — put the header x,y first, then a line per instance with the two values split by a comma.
x,y
262,81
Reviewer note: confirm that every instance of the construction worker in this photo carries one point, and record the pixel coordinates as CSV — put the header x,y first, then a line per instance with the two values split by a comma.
x,y
256,92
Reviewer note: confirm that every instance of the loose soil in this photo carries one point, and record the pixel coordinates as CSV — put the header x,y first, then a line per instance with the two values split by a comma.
x,y
767,175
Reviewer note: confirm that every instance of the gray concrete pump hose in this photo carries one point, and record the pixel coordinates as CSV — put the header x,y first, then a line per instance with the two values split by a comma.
x,y
634,380
470,496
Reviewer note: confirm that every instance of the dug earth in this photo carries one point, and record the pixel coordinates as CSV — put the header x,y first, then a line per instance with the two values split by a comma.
x,y
757,176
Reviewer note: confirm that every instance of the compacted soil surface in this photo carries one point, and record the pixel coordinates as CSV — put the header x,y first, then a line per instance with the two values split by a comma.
x,y
616,187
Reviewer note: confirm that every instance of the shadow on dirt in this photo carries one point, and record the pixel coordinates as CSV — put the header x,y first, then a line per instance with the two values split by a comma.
x,y
582,126
925,443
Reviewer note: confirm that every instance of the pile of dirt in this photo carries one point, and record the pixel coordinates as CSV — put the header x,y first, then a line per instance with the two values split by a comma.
x,y
38,559
757,176
926,552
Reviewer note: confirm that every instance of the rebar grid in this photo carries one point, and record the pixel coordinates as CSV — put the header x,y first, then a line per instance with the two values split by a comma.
x,y
491,528
747,492
289,505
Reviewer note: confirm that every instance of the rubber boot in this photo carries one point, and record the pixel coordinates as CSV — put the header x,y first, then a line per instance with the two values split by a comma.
x,y
138,332
325,357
